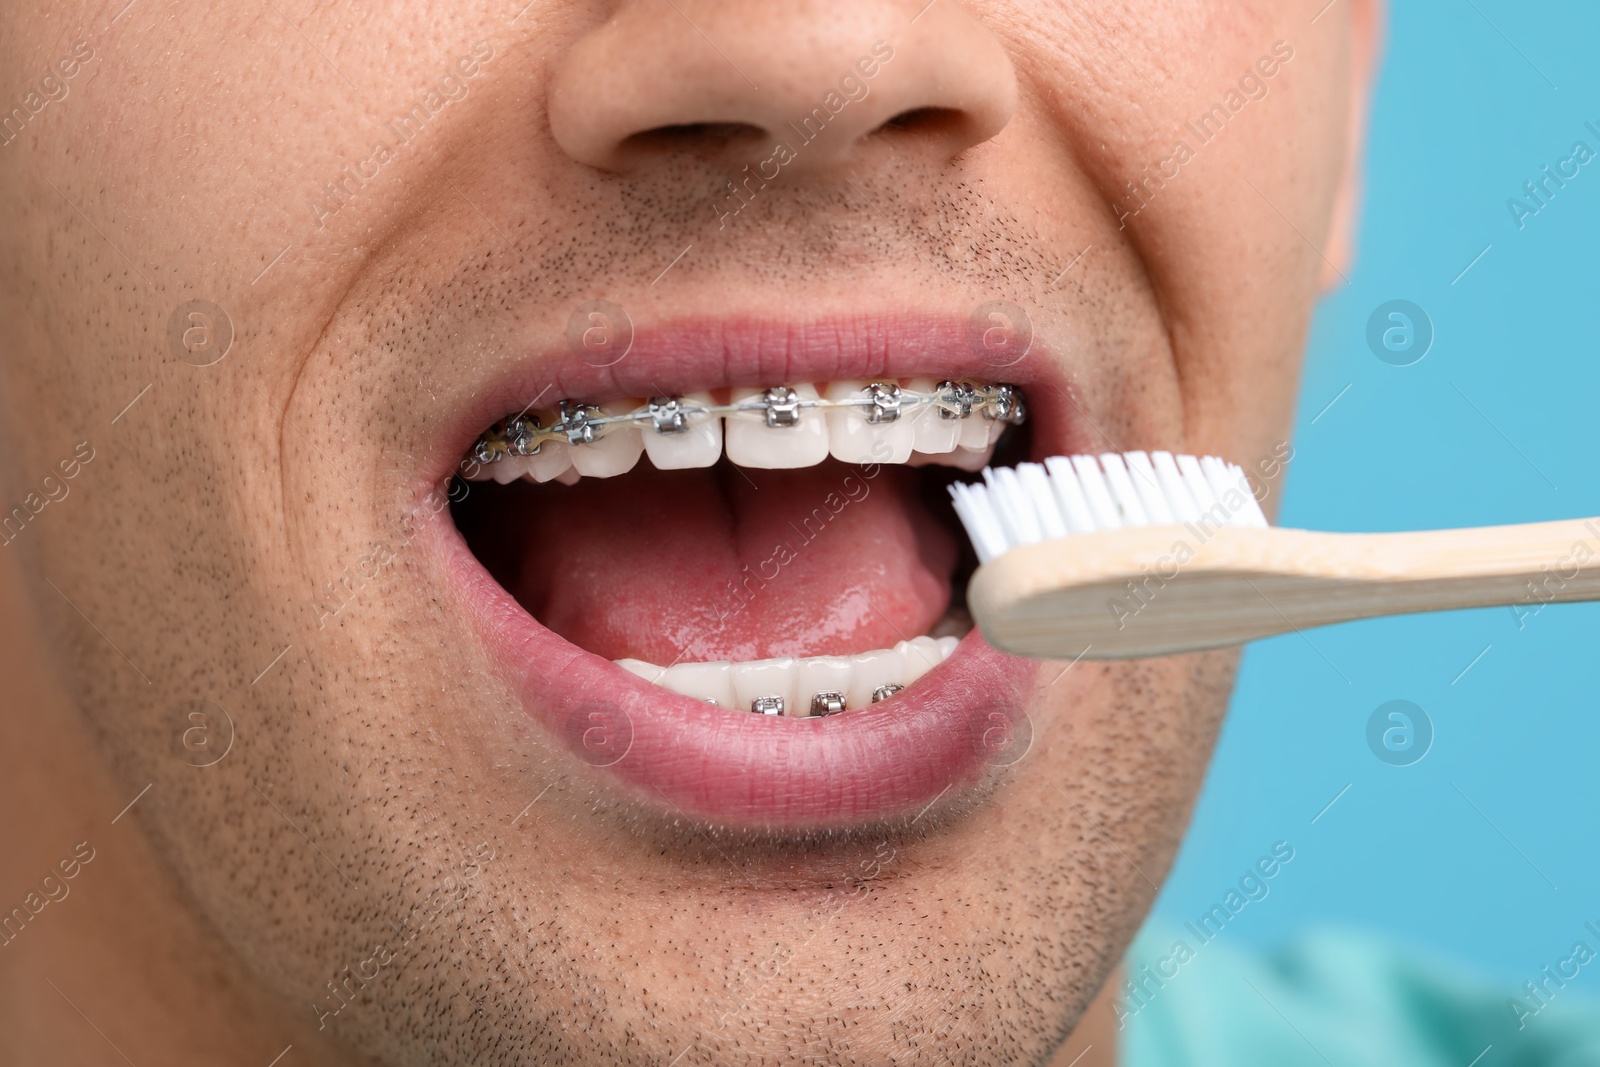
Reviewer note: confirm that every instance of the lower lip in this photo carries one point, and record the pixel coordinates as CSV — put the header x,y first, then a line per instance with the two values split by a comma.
x,y
936,740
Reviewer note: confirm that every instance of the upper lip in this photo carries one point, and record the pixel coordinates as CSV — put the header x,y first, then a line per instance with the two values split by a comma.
x,y
709,763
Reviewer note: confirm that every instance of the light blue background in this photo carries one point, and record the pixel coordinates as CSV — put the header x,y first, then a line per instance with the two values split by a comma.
x,y
1497,424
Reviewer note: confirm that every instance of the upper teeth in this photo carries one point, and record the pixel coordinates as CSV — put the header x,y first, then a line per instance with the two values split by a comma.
x,y
782,426
813,685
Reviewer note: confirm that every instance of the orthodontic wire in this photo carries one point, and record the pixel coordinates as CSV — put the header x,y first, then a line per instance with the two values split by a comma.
x,y
579,424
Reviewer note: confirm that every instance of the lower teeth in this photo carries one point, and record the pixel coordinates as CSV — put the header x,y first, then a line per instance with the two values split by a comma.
x,y
804,687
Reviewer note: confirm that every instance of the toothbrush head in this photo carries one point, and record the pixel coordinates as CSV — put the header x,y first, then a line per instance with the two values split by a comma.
x,y
1068,495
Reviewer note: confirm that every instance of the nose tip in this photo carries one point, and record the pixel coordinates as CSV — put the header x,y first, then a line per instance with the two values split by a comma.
x,y
723,79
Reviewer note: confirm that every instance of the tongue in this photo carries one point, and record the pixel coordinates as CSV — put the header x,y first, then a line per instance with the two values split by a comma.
x,y
729,564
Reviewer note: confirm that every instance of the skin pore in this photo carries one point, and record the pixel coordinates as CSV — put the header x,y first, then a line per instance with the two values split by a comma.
x,y
372,812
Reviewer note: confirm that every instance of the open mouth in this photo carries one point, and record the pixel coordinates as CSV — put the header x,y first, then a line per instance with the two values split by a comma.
x,y
748,599
783,551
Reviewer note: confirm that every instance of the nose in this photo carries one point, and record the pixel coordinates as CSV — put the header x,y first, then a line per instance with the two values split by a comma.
x,y
716,78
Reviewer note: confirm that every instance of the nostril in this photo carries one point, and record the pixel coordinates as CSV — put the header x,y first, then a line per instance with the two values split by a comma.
x,y
693,138
929,120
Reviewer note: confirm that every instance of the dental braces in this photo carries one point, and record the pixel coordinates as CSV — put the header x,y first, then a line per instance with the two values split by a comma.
x,y
823,703
780,406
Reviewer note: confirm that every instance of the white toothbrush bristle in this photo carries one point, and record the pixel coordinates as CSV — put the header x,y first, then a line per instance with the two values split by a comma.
x,y
1035,483
1093,482
1122,490
1229,476
1067,495
1145,479
982,524
1183,505
1194,479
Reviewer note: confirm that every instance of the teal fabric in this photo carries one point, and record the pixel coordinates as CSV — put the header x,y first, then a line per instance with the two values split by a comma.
x,y
1342,999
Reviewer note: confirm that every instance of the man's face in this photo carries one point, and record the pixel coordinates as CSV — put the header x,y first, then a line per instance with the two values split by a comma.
x,y
395,227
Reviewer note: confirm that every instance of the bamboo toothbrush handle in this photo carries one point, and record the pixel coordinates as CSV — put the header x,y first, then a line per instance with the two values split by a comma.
x,y
1155,590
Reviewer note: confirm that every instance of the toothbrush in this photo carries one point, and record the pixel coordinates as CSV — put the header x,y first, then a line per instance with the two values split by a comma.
x,y
1147,554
